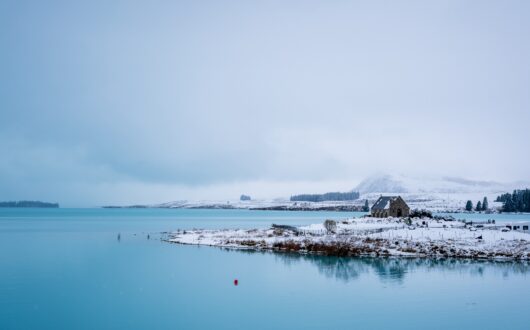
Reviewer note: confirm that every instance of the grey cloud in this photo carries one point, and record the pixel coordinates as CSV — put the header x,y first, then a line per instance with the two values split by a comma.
x,y
185,96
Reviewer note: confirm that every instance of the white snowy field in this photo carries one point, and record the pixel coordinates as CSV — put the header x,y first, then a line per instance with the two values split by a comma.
x,y
436,194
432,202
258,204
370,236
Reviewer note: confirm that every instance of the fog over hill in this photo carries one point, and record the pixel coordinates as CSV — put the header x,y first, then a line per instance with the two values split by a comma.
x,y
303,97
382,183
394,184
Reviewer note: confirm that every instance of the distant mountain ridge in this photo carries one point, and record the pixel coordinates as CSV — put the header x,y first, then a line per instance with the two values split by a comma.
x,y
448,185
471,182
383,183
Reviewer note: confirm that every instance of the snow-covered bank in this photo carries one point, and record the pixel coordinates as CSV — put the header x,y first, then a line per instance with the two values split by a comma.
x,y
374,237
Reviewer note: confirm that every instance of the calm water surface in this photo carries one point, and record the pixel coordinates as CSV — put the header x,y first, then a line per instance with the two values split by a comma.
x,y
66,269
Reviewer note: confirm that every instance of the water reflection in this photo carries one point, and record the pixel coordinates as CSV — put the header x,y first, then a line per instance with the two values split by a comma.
x,y
347,269
395,270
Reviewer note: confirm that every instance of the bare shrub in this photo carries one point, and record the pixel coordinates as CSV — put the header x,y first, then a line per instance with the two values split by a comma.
x,y
278,232
330,226
420,214
290,246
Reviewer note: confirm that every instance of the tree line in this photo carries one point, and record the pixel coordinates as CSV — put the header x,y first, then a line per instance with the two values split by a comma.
x,y
28,204
244,197
480,206
518,201
330,196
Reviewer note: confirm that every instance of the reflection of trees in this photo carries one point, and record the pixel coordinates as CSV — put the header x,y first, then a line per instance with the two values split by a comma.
x,y
394,270
344,269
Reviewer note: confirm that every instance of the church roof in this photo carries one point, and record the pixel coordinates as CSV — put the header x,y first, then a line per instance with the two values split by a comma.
x,y
383,203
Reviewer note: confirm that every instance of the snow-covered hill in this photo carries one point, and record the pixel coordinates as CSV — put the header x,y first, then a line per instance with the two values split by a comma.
x,y
445,185
435,193
381,183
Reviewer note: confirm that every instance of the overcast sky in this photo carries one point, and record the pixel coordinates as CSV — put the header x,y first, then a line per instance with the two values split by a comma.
x,y
119,102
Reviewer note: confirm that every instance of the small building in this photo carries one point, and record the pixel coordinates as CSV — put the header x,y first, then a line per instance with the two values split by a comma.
x,y
518,226
390,206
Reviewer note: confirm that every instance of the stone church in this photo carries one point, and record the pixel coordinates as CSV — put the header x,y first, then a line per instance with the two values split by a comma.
x,y
390,206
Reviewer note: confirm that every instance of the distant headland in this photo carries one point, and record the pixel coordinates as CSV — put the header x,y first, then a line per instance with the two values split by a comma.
x,y
29,204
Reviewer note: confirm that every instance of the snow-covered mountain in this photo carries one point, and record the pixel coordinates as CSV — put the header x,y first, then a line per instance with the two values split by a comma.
x,y
447,185
381,183
435,193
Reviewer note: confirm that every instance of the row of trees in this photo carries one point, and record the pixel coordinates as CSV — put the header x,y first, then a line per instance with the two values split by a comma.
x,y
479,207
244,197
519,201
28,204
331,196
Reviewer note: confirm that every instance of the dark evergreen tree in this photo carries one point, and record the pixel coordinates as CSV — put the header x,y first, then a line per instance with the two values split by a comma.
x,y
469,206
526,199
519,201
485,205
502,198
366,207
479,206
508,206
519,207
244,197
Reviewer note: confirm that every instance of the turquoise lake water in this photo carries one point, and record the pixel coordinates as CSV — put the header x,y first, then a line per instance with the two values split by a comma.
x,y
66,269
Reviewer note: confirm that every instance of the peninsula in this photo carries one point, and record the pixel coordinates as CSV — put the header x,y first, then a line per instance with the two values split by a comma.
x,y
366,236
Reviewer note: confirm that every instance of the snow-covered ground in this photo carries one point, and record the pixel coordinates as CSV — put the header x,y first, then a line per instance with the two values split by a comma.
x,y
377,237
260,204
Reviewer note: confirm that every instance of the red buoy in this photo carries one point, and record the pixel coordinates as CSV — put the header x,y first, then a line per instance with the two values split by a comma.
x,y
236,281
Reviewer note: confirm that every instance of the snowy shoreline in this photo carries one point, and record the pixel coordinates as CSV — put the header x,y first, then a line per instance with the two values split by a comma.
x,y
430,238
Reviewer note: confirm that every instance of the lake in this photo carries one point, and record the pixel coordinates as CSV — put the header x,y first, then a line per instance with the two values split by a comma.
x,y
67,269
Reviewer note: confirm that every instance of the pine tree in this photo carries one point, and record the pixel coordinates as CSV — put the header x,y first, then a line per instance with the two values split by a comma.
x,y
479,206
519,201
524,199
519,207
366,207
485,205
508,206
469,206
